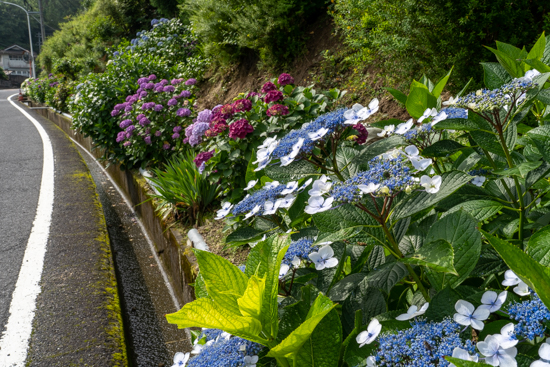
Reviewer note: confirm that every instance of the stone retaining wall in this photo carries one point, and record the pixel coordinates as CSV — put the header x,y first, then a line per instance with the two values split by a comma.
x,y
175,252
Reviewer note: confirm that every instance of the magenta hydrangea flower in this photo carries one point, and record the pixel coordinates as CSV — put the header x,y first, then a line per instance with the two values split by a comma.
x,y
253,94
240,129
191,81
147,139
203,157
172,102
227,110
268,87
277,110
216,108
362,135
152,77
273,96
285,79
242,105
216,129
183,112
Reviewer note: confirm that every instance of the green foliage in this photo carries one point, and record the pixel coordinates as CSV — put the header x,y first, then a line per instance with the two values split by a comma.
x,y
415,36
3,75
184,188
273,30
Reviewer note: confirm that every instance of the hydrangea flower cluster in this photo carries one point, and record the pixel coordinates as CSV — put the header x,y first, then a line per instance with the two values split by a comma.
x,y
531,316
240,129
299,250
195,132
489,100
424,344
221,349
299,141
201,159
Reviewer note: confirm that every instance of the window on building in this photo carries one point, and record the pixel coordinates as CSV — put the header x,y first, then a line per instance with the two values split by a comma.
x,y
16,57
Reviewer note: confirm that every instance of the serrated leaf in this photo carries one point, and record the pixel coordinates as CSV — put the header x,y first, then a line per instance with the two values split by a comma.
x,y
206,313
526,268
437,255
541,138
443,304
457,124
344,287
200,287
294,171
345,160
250,303
459,230
292,344
370,151
495,75
508,63
537,174
414,203
539,246
368,299
520,170
442,148
387,276
343,234
224,281
243,236
488,141
419,100
479,209
264,260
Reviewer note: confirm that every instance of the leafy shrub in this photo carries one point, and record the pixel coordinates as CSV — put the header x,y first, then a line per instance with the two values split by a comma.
x,y
97,94
43,89
274,30
181,186
431,36
233,131
433,239
152,120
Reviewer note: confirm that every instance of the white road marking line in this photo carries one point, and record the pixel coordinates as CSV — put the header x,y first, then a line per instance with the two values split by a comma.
x,y
14,342
143,230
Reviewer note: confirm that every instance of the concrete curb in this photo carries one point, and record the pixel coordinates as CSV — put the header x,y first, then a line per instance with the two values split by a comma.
x,y
173,249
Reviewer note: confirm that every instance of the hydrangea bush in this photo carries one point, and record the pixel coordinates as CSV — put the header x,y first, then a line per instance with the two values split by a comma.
x,y
425,246
234,131
97,94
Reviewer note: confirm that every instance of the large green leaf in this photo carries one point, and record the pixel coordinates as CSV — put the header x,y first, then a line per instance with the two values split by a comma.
x,y
414,203
322,349
437,255
388,275
207,314
537,51
224,281
520,170
537,174
457,124
488,141
539,246
368,299
458,229
509,63
345,160
250,303
442,304
294,171
243,236
292,344
442,148
370,151
530,271
344,287
400,96
264,260
419,100
343,234
541,138
479,209
538,65
441,84
511,50
495,75
250,173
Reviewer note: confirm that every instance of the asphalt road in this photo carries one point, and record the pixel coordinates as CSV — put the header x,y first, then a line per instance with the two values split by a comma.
x,y
21,156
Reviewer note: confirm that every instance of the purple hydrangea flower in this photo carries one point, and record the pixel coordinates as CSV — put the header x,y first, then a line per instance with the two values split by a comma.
x,y
152,77
120,136
144,121
183,112
128,108
172,102
159,88
285,79
191,81
114,113
125,123
130,129
147,106
147,140
149,86
166,146
158,133
204,116
177,129
185,94
169,89
127,143
158,107
140,116
176,81
203,157
142,94
163,82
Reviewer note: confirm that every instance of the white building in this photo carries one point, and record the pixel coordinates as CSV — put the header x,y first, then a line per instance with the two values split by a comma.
x,y
15,61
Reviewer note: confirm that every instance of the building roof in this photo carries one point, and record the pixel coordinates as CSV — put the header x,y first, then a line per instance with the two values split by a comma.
x,y
13,50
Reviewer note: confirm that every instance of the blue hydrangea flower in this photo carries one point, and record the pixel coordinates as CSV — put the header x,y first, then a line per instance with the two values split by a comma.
x,y
424,344
531,316
222,351
456,113
387,176
299,249
271,192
